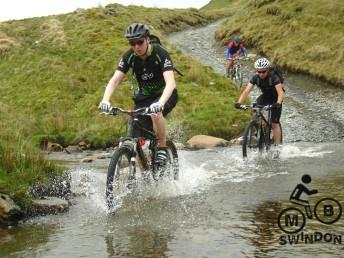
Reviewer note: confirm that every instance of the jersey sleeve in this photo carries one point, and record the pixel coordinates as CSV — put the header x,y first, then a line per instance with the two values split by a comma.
x,y
275,80
166,61
124,63
230,44
254,80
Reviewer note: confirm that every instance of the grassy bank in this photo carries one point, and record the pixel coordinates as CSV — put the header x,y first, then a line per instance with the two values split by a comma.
x,y
21,163
53,72
303,36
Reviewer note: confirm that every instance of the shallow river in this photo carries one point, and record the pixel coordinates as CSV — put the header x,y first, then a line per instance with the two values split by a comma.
x,y
222,206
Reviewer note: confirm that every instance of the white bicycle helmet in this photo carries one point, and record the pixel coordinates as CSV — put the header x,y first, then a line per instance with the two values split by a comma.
x,y
262,63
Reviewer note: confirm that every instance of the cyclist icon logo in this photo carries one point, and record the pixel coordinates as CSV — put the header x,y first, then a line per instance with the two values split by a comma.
x,y
292,220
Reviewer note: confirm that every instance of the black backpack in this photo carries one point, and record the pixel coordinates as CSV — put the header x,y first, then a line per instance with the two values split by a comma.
x,y
154,40
278,71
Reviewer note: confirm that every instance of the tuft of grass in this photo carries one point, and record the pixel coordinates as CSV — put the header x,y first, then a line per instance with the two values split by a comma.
x,y
21,164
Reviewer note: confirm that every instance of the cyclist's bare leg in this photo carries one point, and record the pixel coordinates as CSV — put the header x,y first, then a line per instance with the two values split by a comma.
x,y
277,133
159,126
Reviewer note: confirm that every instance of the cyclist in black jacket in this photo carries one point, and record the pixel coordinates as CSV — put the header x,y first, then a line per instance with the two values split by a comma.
x,y
271,86
153,69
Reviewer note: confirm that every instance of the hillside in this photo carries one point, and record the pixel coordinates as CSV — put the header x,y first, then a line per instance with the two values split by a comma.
x,y
56,68
304,36
53,72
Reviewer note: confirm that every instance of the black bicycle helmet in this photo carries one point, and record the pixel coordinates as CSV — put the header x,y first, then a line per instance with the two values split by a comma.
x,y
136,31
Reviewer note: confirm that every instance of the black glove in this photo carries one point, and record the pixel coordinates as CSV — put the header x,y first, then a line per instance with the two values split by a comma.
x,y
237,105
276,105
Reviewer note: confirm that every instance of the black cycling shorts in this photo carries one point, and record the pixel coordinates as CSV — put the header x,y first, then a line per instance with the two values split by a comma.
x,y
146,121
275,112
146,101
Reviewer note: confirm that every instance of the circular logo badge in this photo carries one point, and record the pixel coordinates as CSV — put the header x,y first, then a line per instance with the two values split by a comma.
x,y
328,210
291,220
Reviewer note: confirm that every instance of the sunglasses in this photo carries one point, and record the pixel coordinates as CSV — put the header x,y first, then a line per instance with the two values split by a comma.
x,y
136,42
263,71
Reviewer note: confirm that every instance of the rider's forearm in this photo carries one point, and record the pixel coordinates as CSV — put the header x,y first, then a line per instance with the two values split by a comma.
x,y
245,93
112,85
280,98
167,92
280,94
170,86
243,97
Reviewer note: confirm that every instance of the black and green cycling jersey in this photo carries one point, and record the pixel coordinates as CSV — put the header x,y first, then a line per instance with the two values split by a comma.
x,y
148,72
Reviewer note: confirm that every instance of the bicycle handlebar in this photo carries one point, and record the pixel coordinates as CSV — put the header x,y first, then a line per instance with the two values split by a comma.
x,y
114,111
256,107
239,58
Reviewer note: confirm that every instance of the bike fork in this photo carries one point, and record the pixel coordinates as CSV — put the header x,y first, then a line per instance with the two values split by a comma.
x,y
132,177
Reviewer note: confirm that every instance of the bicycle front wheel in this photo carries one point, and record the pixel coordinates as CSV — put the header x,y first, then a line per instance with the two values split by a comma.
x,y
250,139
265,139
238,78
173,163
120,174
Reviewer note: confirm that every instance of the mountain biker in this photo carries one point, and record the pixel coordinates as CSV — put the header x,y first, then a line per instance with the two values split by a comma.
x,y
152,66
271,86
233,50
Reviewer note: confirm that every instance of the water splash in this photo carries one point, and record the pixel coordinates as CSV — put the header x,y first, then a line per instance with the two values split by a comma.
x,y
290,151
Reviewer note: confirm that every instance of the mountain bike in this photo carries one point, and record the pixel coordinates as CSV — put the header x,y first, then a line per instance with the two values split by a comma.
x,y
235,73
258,132
123,165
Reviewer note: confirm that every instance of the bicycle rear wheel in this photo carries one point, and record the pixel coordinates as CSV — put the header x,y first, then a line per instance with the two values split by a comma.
x,y
171,170
251,139
120,174
265,139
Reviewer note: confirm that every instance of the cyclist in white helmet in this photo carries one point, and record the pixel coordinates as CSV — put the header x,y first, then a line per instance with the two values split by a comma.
x,y
272,94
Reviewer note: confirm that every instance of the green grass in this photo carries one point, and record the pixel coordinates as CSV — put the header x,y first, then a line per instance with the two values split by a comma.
x,y
303,36
53,72
62,64
21,163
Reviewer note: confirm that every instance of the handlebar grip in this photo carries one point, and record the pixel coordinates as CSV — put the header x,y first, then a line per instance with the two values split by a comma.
x,y
114,111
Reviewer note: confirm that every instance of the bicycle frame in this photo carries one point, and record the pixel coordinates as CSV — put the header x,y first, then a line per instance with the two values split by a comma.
x,y
265,127
258,131
235,73
137,149
137,142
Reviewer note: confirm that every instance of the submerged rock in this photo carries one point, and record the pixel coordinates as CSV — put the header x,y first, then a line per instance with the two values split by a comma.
x,y
49,205
205,141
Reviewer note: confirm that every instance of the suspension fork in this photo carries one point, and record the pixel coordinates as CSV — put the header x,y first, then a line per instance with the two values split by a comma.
x,y
142,157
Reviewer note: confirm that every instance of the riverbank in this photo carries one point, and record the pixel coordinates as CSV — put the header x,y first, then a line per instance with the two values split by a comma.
x,y
303,36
